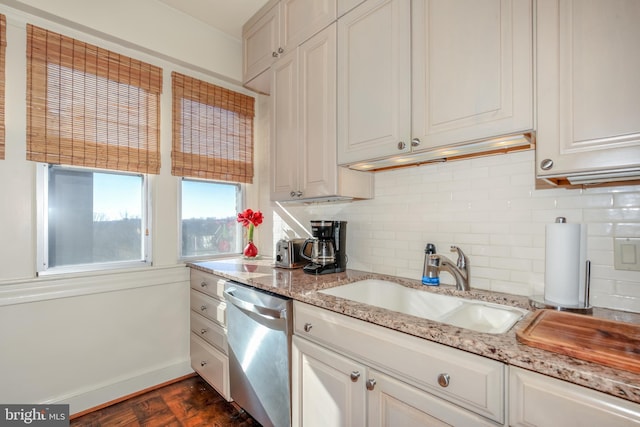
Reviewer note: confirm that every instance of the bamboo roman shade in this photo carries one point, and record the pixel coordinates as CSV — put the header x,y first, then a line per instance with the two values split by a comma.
x,y
3,47
88,106
212,131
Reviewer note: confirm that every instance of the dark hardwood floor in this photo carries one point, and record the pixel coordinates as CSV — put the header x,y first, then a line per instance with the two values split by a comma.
x,y
188,402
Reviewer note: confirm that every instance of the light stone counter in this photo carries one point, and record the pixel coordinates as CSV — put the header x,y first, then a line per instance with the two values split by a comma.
x,y
503,347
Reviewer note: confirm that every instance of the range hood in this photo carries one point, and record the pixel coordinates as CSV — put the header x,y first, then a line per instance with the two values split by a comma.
x,y
503,144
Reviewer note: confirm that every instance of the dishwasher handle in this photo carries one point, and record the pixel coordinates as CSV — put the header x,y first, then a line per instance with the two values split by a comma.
x,y
267,312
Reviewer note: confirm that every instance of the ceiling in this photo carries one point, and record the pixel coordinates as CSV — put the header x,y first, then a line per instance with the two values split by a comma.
x,y
226,15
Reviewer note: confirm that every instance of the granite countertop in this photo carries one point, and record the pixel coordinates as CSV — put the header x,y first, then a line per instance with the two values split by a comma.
x,y
502,347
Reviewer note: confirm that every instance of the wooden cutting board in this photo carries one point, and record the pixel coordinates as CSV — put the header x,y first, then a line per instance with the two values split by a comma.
x,y
608,342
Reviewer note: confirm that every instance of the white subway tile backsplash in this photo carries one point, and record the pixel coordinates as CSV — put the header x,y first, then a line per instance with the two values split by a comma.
x,y
627,199
614,215
626,229
490,273
590,201
631,289
511,264
490,207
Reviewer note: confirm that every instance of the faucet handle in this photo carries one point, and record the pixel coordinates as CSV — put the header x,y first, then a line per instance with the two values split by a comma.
x,y
462,258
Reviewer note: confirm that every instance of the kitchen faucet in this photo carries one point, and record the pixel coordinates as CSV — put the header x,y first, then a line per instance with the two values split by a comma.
x,y
459,270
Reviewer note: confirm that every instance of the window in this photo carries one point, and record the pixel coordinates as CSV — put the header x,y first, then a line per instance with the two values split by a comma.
x,y
92,219
93,125
208,218
213,140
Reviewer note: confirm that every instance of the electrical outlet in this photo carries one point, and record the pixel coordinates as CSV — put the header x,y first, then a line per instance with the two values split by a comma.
x,y
626,253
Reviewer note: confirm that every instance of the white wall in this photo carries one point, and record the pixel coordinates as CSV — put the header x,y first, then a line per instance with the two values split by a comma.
x,y
150,26
87,339
490,208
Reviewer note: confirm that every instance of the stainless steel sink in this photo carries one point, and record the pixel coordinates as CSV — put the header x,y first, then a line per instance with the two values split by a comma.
x,y
475,315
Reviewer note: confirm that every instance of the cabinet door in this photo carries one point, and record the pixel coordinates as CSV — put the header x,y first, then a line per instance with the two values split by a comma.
x,y
472,70
327,388
374,88
394,403
284,119
588,87
317,114
345,6
260,42
537,400
301,19
211,364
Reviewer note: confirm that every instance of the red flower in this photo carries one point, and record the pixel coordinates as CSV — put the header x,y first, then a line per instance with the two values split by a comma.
x,y
249,217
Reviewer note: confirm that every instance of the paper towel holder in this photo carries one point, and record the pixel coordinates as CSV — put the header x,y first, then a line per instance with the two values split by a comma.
x,y
538,301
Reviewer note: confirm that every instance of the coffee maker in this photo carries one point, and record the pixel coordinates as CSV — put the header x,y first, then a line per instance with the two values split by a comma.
x,y
327,248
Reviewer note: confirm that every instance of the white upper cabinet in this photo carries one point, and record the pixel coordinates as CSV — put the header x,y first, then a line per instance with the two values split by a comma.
x,y
472,75
260,44
345,6
301,19
374,87
284,128
422,75
303,137
588,59
278,29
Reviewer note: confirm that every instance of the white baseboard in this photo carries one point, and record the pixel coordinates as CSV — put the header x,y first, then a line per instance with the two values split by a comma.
x,y
103,393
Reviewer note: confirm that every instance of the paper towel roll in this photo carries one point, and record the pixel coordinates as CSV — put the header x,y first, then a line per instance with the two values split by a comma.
x,y
563,264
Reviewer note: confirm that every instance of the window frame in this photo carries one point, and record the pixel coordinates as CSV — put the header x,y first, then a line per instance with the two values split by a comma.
x,y
42,247
241,202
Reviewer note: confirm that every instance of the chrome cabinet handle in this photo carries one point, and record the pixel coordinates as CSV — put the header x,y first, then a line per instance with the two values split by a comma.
x,y
354,376
203,331
274,54
415,142
292,194
401,145
371,384
443,380
299,194
203,307
307,327
203,284
280,50
546,164
203,363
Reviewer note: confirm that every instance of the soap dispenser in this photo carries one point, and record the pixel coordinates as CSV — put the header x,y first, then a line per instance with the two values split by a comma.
x,y
430,270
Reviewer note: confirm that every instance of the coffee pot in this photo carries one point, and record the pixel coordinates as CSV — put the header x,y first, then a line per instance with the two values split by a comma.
x,y
322,251
326,249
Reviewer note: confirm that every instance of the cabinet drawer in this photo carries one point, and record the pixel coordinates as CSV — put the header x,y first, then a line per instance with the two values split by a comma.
x,y
538,400
210,308
474,382
209,284
211,332
211,365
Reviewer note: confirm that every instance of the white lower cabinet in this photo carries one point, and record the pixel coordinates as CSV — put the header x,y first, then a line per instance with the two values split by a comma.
x,y
538,400
326,387
394,403
347,372
208,343
211,364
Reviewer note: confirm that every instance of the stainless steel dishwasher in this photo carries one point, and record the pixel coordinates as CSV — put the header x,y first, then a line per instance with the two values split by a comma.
x,y
259,327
